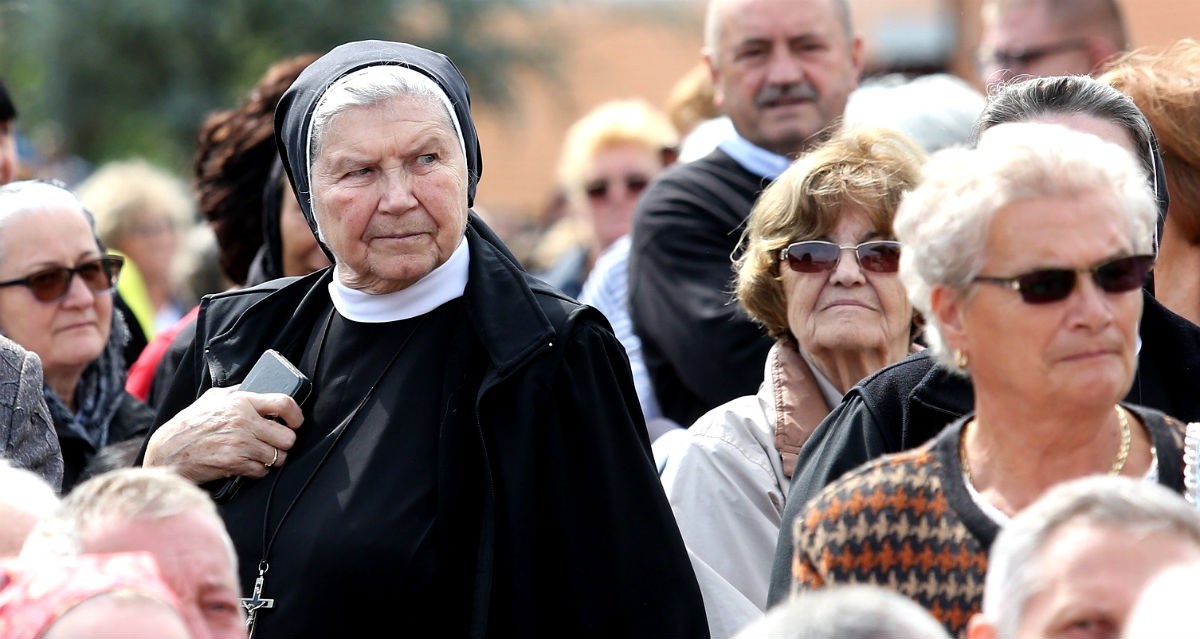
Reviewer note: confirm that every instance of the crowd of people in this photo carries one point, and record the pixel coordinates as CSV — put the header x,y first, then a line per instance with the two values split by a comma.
x,y
805,355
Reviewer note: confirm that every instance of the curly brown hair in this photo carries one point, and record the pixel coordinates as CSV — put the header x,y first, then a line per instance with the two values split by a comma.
x,y
868,168
235,149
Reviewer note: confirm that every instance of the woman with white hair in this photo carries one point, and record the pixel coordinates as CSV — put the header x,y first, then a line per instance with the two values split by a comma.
x,y
56,299
1026,256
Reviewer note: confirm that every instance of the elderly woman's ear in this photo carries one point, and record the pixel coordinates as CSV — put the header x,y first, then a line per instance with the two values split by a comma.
x,y
947,305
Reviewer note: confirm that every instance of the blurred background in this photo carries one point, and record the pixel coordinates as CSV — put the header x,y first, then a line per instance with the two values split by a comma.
x,y
113,79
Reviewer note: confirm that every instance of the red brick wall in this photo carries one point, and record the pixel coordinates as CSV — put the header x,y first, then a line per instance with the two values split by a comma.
x,y
614,53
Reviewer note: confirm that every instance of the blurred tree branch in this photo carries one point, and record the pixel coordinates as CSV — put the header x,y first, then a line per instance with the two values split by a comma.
x,y
114,78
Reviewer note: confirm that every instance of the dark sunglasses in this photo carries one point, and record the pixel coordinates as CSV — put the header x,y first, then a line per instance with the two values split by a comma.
x,y
52,284
817,256
598,189
1044,286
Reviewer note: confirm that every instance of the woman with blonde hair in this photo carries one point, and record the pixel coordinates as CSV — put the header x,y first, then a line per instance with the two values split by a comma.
x,y
609,156
140,211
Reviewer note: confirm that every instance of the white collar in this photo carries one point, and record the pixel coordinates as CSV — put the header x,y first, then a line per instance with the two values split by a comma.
x,y
444,283
753,158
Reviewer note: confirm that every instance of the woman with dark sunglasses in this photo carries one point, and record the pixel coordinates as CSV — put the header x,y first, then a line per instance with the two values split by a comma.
x,y
1027,257
819,273
908,403
609,156
56,300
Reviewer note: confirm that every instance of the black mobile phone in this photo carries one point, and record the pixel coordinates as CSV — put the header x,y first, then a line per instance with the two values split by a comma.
x,y
272,373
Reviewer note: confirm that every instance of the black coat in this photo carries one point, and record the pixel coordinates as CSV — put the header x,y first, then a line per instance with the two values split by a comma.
x,y
701,347
908,403
577,537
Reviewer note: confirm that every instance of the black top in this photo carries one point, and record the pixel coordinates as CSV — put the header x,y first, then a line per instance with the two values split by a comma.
x,y
907,403
546,490
369,501
700,346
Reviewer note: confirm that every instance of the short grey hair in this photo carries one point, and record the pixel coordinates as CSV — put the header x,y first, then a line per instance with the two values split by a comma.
x,y
944,222
712,24
124,494
846,612
1016,567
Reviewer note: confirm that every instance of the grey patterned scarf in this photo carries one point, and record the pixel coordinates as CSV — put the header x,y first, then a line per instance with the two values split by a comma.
x,y
99,391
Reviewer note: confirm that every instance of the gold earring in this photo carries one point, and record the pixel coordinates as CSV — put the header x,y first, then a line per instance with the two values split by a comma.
x,y
961,359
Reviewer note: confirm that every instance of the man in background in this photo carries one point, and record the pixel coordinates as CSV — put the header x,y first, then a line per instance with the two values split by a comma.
x,y
153,510
1074,562
1048,37
782,71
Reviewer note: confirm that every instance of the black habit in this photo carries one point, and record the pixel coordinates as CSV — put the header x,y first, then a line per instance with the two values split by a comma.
x,y
482,470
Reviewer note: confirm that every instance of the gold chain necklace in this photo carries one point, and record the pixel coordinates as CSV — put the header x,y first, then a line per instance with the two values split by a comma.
x,y
1117,466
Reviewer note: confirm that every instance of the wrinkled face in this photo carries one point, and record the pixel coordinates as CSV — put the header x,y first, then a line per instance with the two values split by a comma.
x,y
783,69
849,308
390,192
301,252
194,561
1093,575
1080,349
1021,40
71,332
617,176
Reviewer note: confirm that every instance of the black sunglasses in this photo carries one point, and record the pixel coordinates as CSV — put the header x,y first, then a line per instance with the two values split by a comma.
x,y
1120,275
52,284
598,189
818,256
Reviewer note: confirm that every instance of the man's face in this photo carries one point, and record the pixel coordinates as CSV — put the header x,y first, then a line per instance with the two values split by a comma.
x,y
1022,40
194,561
1093,575
782,69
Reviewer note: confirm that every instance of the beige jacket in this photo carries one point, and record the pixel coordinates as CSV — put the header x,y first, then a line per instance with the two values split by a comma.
x,y
728,481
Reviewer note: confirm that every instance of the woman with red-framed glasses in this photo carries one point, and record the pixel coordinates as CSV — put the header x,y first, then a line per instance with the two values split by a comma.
x,y
56,300
819,273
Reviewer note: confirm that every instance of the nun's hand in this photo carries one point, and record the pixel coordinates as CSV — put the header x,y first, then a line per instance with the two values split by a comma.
x,y
227,432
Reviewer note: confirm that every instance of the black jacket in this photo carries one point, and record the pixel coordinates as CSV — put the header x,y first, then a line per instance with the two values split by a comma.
x,y
908,403
577,537
130,423
700,346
